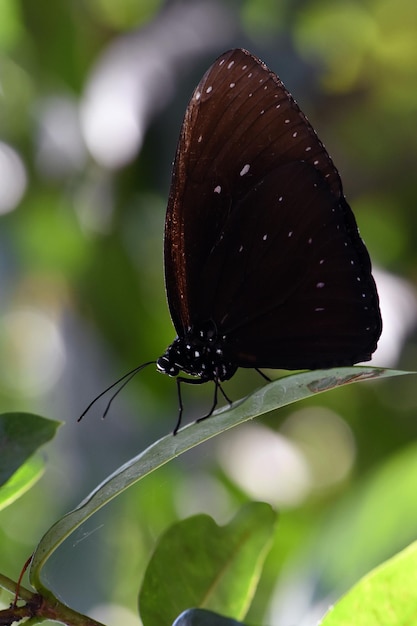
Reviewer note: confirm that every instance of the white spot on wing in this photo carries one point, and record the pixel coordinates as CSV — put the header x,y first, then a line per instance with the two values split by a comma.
x,y
231,64
245,169
241,248
217,189
290,233
265,237
198,95
200,139
232,85
209,89
320,285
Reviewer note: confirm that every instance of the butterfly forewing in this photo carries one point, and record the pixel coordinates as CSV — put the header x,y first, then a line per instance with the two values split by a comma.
x,y
240,116
259,238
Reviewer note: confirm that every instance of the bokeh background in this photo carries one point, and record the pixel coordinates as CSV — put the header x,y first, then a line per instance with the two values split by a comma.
x,y
92,96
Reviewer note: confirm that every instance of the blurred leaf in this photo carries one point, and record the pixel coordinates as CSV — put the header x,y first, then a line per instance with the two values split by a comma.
x,y
66,251
201,617
220,566
385,597
21,434
383,227
276,394
10,24
350,33
21,481
125,13
263,17
351,542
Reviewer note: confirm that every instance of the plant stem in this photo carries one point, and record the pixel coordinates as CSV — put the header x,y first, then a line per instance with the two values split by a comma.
x,y
39,608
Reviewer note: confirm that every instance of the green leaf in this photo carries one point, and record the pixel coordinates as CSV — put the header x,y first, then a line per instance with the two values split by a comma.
x,y
202,617
21,481
350,541
10,25
21,434
276,394
199,564
387,596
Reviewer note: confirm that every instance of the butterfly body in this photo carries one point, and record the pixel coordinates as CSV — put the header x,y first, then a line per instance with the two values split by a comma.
x,y
199,352
264,265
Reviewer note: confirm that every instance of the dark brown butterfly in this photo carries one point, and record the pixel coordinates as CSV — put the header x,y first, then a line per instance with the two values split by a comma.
x,y
264,264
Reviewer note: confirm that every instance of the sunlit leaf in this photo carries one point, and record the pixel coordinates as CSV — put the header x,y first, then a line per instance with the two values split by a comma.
x,y
21,481
21,434
350,542
202,617
387,596
276,394
219,565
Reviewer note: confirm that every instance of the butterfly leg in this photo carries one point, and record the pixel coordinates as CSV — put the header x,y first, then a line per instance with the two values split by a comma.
x,y
188,381
180,406
217,386
263,375
225,396
198,381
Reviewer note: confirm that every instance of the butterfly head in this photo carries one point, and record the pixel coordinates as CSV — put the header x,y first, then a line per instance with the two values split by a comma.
x,y
199,352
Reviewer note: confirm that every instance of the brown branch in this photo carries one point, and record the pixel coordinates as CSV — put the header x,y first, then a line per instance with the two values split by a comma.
x,y
38,606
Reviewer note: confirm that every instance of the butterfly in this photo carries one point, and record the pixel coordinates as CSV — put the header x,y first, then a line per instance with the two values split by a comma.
x,y
264,264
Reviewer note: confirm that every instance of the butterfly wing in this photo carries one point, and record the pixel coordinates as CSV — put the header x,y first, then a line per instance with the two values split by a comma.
x,y
292,288
258,237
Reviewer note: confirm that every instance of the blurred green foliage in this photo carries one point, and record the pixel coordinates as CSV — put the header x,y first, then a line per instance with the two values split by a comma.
x,y
81,250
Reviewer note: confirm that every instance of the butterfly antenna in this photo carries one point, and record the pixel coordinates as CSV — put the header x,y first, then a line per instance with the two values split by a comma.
x,y
126,378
